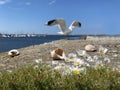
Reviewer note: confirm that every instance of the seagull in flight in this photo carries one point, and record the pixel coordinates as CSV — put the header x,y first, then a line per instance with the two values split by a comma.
x,y
62,26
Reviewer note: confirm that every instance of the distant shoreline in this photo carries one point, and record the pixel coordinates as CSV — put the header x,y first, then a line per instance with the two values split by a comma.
x,y
39,35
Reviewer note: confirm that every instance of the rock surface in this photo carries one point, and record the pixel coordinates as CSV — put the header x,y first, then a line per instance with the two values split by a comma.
x,y
28,55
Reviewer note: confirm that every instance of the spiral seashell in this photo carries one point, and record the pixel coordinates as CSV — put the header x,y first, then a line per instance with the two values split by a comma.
x,y
57,54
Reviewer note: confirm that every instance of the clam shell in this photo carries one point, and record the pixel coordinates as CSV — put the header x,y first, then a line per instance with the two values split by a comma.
x,y
13,53
90,48
57,54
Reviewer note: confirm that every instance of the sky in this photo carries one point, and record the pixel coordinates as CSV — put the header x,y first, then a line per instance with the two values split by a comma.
x,y
30,16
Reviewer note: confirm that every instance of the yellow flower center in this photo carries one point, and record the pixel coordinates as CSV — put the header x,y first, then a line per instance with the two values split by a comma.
x,y
77,63
67,60
71,58
102,52
99,65
76,71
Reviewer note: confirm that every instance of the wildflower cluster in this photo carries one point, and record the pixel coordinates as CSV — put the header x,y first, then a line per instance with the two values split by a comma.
x,y
79,62
74,73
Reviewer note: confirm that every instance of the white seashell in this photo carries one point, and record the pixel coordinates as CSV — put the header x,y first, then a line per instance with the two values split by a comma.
x,y
13,53
57,54
90,48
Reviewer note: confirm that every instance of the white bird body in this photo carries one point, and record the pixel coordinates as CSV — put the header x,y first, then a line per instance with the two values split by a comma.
x,y
66,32
62,26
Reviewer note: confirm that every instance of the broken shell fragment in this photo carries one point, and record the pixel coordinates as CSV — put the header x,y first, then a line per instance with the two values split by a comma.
x,y
90,48
13,53
58,54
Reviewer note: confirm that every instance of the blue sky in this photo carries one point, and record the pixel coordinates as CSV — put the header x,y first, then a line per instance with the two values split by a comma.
x,y
29,16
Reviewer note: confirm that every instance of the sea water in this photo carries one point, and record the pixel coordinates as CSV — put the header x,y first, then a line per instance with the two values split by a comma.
x,y
8,43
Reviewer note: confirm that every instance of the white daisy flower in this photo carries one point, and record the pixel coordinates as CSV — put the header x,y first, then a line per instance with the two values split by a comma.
x,y
71,57
86,64
95,58
79,62
81,53
75,70
35,67
102,50
67,70
67,59
58,68
107,60
10,71
55,62
84,54
38,61
90,59
62,64
98,64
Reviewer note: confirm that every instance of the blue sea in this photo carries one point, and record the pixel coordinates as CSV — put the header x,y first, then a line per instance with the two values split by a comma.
x,y
8,43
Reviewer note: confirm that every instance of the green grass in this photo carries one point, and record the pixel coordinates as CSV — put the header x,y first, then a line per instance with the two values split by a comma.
x,y
42,78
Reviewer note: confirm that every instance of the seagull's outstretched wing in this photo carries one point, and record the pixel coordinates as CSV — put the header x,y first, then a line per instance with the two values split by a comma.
x,y
75,24
60,22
